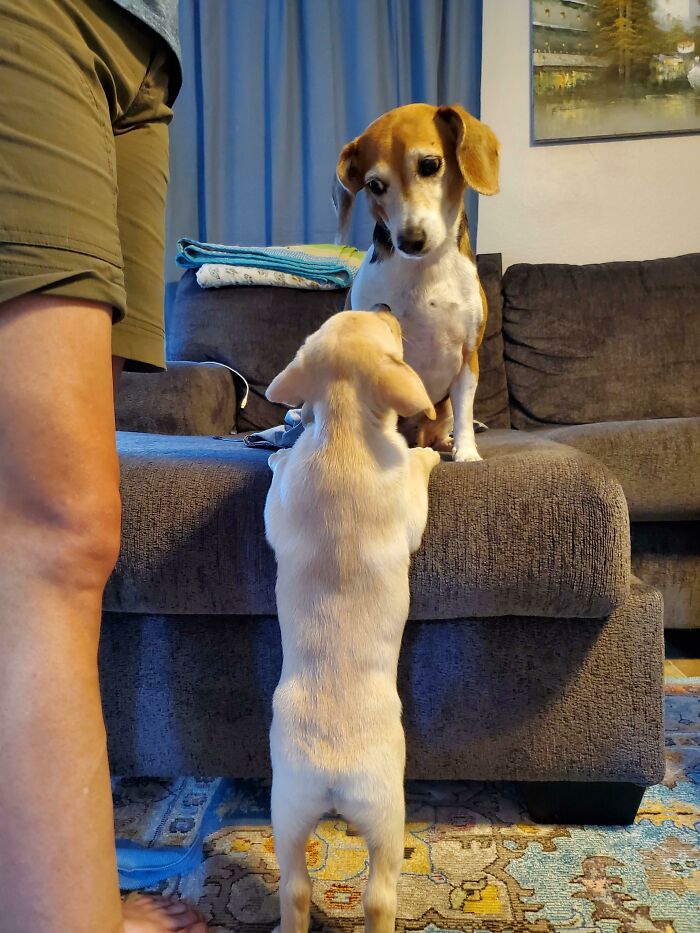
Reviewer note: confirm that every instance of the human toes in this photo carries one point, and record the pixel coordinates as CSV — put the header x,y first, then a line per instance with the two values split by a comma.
x,y
183,914
157,914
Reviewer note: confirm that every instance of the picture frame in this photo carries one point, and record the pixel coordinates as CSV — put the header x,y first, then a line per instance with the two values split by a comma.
x,y
614,69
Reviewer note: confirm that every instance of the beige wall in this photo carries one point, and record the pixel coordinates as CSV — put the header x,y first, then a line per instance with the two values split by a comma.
x,y
576,202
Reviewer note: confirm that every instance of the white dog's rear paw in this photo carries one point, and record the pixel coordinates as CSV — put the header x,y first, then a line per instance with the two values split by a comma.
x,y
465,454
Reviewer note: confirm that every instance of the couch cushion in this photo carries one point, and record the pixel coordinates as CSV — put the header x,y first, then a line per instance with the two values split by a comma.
x,y
613,342
491,404
189,398
536,528
257,330
516,699
667,556
656,462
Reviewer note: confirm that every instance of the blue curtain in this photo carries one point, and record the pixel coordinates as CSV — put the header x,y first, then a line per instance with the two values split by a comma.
x,y
274,88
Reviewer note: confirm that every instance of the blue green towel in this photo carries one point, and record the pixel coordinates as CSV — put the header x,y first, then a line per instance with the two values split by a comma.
x,y
320,262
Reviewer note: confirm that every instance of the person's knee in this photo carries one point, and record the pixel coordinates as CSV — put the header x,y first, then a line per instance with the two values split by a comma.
x,y
89,533
66,534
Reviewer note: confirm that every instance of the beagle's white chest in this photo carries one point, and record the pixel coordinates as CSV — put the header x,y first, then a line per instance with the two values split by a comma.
x,y
438,303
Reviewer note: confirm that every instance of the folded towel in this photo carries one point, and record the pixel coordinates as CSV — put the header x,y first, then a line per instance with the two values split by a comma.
x,y
320,262
215,275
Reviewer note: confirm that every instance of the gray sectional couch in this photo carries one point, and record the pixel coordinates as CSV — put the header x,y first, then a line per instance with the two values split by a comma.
x,y
534,650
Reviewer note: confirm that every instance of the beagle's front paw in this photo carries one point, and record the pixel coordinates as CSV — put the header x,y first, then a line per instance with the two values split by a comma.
x,y
464,453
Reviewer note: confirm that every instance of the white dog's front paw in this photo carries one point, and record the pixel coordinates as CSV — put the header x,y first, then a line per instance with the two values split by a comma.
x,y
430,456
465,453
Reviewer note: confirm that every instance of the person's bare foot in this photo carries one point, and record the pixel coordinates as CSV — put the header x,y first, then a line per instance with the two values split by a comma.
x,y
151,914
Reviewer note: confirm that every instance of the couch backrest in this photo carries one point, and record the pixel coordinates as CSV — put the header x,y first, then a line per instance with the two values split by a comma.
x,y
617,341
257,330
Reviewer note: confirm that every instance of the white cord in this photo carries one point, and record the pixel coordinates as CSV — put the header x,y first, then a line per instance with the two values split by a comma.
x,y
236,373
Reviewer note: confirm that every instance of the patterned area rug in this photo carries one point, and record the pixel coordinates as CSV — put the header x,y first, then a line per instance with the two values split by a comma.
x,y
473,860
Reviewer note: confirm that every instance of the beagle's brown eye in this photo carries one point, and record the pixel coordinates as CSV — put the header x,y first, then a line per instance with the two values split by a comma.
x,y
376,186
429,166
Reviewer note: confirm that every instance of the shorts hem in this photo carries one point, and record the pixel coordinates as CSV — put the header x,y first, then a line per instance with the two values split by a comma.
x,y
66,244
19,279
143,351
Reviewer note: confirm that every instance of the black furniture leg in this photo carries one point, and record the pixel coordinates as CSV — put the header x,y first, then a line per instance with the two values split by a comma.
x,y
596,802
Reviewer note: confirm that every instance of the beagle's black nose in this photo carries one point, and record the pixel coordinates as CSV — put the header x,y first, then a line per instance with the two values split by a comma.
x,y
411,240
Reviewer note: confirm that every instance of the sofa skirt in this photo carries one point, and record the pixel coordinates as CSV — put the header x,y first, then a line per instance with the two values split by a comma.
x,y
506,698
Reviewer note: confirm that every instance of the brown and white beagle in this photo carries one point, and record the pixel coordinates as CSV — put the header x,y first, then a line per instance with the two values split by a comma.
x,y
415,163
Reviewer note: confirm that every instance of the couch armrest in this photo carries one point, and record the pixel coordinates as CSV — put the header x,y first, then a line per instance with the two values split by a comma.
x,y
189,398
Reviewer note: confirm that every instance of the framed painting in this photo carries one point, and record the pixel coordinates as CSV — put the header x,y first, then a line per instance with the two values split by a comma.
x,y
603,69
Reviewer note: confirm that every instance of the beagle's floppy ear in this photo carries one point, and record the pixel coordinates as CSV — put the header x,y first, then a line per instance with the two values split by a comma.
x,y
289,386
401,388
476,148
347,183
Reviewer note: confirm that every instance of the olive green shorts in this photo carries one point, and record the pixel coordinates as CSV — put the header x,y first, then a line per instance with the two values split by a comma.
x,y
84,114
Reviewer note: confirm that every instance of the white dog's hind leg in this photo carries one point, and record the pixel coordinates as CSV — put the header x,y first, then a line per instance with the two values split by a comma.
x,y
382,822
294,815
385,841
462,392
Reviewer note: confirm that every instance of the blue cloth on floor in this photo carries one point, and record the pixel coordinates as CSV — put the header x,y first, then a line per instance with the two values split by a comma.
x,y
142,866
330,270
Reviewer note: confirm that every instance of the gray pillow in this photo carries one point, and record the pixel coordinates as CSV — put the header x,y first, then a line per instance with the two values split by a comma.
x,y
618,341
189,398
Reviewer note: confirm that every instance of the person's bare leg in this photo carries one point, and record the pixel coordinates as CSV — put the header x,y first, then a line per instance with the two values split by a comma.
x,y
138,908
59,537
117,370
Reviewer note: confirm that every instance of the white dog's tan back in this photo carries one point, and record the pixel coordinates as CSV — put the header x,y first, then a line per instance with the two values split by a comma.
x,y
346,507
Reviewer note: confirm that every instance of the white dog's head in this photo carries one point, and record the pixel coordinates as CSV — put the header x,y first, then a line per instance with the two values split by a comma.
x,y
415,163
363,349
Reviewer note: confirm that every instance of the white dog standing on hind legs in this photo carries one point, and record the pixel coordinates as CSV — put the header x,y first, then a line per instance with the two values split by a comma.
x,y
346,508
415,163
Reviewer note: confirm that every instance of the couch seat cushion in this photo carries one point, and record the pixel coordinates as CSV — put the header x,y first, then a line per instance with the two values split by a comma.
x,y
536,528
656,462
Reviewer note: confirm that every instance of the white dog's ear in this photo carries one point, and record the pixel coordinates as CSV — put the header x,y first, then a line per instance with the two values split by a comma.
x,y
401,388
289,386
347,183
476,148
